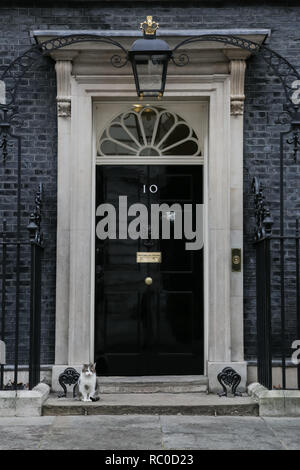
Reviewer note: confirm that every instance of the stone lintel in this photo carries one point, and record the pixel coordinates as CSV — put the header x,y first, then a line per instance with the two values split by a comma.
x,y
254,34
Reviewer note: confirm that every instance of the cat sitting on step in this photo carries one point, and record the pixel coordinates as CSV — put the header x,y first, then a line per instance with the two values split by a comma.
x,y
87,383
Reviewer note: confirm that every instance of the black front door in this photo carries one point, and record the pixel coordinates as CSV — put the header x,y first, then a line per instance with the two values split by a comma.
x,y
151,329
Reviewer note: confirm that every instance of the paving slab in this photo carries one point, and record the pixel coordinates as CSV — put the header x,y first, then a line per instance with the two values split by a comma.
x,y
218,433
104,432
148,432
287,430
23,433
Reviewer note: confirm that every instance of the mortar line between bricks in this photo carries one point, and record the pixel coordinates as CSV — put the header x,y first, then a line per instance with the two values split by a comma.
x,y
274,433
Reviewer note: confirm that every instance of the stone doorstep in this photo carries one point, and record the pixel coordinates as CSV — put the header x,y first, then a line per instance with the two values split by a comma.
x,y
153,384
276,403
157,403
23,402
141,384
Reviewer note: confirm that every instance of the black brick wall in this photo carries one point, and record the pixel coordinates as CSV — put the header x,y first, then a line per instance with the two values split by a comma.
x,y
37,103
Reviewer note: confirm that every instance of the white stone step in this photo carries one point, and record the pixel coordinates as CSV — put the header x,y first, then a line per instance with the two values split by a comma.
x,y
153,403
154,384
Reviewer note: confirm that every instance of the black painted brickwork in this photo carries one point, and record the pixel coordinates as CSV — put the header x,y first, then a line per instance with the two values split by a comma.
x,y
37,103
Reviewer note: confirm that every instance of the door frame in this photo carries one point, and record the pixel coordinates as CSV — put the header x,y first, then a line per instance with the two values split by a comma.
x,y
137,160
75,226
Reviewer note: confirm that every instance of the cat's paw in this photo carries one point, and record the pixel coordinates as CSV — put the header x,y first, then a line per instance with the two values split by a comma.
x,y
95,398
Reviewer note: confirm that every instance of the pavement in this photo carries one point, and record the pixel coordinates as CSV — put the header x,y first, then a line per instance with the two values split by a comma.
x,y
150,432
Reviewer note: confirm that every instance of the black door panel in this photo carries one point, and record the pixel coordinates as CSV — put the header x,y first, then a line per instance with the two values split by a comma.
x,y
156,329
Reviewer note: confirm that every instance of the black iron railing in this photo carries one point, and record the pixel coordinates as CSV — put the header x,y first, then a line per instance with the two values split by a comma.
x,y
277,298
20,319
264,321
15,284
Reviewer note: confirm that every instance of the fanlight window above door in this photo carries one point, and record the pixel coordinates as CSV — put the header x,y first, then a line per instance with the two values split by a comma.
x,y
148,131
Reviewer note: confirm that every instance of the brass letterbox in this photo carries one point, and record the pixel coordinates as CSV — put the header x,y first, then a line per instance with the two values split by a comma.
x,y
148,257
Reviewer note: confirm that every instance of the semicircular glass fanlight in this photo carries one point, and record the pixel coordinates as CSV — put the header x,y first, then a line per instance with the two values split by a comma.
x,y
148,131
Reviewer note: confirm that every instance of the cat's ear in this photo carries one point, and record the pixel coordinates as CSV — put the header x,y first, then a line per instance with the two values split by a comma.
x,y
95,365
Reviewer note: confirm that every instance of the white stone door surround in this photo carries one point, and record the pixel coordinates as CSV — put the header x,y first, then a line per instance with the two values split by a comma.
x,y
220,81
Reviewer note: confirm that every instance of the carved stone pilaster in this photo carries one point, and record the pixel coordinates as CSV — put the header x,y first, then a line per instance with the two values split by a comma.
x,y
63,75
63,107
237,97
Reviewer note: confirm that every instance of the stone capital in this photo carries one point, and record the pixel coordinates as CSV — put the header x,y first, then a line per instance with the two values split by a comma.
x,y
63,76
237,79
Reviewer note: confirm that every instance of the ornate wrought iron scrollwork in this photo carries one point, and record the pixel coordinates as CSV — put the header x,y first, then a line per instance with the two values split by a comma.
x,y
3,146
295,141
225,39
13,74
69,376
231,378
263,217
5,126
34,226
278,65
